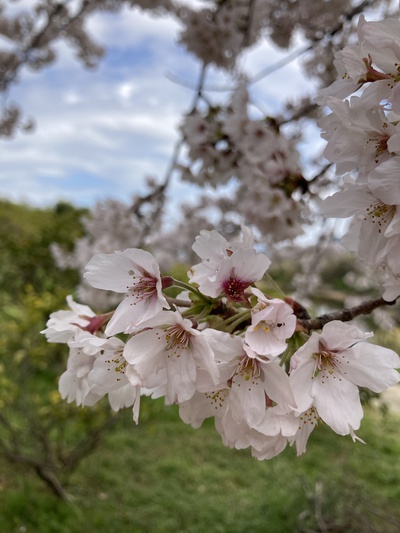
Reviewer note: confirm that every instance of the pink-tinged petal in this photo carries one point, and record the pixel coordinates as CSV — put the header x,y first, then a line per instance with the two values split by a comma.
x,y
269,447
371,366
392,289
247,401
181,378
210,246
143,261
271,325
108,372
307,422
301,384
205,383
260,295
132,312
63,325
145,351
156,385
384,181
79,309
234,434
306,351
393,143
337,335
136,408
277,386
246,265
277,421
167,318
203,355
225,346
264,342
132,376
124,397
110,272
202,406
78,390
346,203
338,404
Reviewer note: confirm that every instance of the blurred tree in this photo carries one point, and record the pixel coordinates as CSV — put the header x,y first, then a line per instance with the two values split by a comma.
x,y
37,429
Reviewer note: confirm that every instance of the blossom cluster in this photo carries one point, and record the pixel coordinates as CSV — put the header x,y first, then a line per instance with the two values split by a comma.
x,y
363,134
219,348
226,143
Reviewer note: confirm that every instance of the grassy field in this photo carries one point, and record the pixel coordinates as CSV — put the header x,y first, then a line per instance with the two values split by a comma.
x,y
160,476
164,477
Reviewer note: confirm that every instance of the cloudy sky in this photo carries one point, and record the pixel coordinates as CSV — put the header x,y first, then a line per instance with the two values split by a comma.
x,y
100,133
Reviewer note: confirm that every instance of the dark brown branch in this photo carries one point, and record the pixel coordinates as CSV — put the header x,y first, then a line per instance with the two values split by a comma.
x,y
41,470
345,315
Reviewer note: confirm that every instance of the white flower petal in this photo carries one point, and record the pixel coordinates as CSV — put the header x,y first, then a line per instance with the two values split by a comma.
x,y
338,403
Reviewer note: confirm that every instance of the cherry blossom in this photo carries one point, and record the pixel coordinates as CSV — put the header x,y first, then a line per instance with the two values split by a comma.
x,y
111,374
74,383
274,432
306,423
248,382
328,369
169,342
222,347
63,325
272,323
242,417
358,136
392,288
136,273
375,221
227,268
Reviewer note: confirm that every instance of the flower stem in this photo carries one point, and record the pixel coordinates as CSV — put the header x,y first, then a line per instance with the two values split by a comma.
x,y
190,288
230,323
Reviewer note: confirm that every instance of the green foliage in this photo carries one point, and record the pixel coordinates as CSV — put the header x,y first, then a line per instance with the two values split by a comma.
x,y
25,236
160,476
165,477
38,429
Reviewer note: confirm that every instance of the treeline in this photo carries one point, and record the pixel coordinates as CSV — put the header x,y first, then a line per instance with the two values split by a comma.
x,y
37,429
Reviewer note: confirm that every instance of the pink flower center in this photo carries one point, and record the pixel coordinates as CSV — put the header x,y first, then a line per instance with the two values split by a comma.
x,y
325,363
144,286
234,288
178,339
372,74
328,363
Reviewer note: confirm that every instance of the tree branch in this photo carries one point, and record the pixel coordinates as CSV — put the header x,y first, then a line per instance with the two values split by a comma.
x,y
345,315
301,51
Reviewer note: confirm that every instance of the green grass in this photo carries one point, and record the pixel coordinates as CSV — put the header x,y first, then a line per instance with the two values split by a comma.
x,y
165,477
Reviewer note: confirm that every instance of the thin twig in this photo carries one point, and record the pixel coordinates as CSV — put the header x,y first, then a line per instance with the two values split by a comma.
x,y
159,192
301,51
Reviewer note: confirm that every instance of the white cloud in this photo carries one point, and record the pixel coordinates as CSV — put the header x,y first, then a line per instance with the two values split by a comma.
x,y
101,133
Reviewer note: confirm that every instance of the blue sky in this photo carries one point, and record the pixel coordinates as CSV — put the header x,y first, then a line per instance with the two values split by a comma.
x,y
100,133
